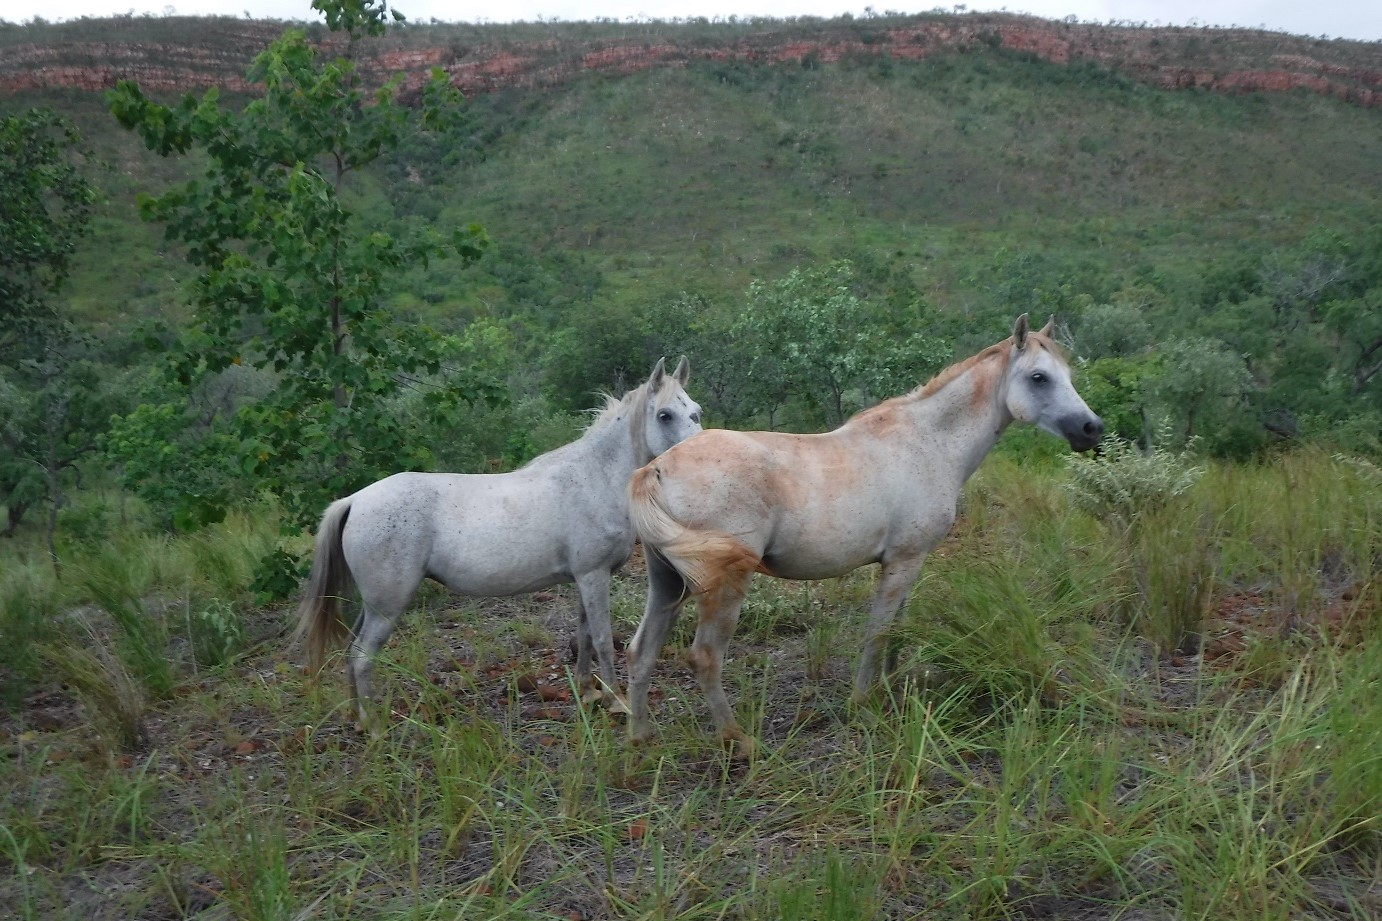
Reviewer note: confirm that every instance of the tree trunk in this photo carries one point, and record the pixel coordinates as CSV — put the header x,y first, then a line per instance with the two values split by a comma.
x,y
14,514
51,470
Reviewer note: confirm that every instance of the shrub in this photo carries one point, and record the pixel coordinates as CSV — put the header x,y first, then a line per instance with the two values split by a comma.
x,y
1123,484
215,632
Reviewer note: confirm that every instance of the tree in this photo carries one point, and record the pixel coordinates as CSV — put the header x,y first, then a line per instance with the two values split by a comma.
x,y
1117,330
176,450
1202,384
1115,389
292,281
1352,312
54,419
811,336
45,210
699,326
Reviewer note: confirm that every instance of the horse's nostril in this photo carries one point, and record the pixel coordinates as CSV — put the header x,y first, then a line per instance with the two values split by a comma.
x,y
1094,428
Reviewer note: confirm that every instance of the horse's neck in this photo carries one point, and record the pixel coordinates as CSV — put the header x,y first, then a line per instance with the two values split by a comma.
x,y
964,419
613,449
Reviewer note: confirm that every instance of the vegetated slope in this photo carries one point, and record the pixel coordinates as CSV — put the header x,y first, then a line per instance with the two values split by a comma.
x,y
704,177
603,176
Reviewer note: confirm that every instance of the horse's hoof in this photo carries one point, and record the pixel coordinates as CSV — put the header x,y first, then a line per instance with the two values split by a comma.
x,y
742,745
618,705
592,695
640,737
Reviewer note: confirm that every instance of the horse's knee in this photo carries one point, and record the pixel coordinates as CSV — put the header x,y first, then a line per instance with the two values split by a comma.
x,y
704,661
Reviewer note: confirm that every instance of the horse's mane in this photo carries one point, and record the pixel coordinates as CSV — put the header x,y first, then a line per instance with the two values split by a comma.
x,y
635,400
948,374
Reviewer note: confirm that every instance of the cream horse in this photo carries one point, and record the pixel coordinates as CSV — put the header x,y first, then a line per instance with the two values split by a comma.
x,y
880,489
562,518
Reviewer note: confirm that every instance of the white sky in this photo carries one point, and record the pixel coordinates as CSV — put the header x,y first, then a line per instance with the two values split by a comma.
x,y
1355,19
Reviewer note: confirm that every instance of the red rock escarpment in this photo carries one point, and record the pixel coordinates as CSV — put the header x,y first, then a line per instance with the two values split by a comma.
x,y
1237,60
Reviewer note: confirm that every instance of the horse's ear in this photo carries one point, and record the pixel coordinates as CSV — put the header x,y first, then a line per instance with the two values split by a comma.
x,y
1050,326
1020,333
683,372
659,372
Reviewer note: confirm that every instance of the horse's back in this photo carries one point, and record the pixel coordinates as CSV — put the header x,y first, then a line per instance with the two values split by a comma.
x,y
483,534
764,473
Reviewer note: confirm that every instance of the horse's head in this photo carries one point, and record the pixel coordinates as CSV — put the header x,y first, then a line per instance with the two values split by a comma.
x,y
1039,389
671,415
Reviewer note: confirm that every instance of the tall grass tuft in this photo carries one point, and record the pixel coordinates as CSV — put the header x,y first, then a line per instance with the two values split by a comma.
x,y
221,559
113,698
30,603
118,579
1355,729
248,855
466,756
824,887
1002,630
1175,566
1139,496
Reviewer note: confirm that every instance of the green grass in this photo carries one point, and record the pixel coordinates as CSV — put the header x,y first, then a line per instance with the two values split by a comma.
x,y
1035,753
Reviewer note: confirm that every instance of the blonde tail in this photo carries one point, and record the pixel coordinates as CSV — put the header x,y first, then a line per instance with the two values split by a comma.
x,y
708,560
319,614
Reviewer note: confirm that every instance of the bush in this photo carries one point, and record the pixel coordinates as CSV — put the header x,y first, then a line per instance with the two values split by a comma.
x,y
1171,556
1123,484
215,632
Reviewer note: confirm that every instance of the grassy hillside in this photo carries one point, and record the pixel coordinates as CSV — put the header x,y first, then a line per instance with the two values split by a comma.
x,y
1138,686
637,180
705,175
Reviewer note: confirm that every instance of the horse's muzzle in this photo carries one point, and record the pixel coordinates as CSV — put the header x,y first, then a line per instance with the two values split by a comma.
x,y
1085,432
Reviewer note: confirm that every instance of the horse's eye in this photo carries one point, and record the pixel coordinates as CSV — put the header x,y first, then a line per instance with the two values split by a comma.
x,y
664,416
1038,377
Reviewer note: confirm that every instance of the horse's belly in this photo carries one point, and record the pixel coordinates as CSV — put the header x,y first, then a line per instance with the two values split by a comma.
x,y
496,562
480,576
822,556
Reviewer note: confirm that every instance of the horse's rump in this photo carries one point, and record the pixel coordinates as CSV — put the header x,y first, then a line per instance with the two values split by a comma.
x,y
708,560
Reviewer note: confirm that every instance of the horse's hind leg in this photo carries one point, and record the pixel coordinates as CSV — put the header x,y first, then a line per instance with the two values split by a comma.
x,y
667,592
372,631
719,615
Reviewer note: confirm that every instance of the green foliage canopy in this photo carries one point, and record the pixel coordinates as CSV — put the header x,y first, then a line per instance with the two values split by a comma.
x,y
291,280
45,210
52,391
811,335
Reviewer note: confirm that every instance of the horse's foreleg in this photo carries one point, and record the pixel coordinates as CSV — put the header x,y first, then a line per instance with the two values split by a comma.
x,y
894,584
599,636
584,650
666,594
